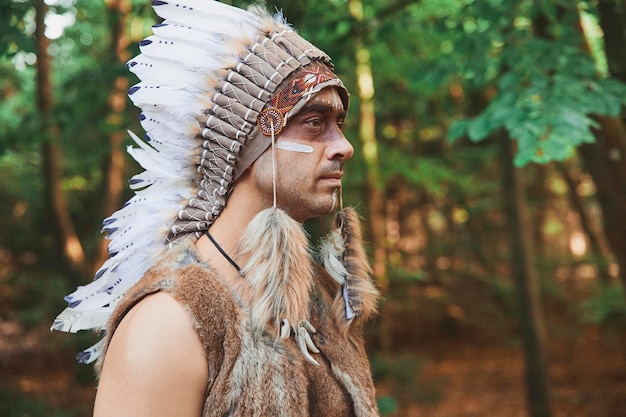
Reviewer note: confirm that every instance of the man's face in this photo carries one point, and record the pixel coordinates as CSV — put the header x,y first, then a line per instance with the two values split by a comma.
x,y
308,179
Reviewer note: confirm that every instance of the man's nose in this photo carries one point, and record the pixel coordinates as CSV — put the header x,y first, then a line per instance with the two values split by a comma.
x,y
339,148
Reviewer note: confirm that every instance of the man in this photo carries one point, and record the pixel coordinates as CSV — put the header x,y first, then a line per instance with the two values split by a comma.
x,y
210,301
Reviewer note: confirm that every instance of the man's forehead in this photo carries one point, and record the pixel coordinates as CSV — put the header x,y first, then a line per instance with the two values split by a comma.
x,y
329,96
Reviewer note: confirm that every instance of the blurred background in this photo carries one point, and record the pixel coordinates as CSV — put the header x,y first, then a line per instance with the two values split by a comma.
x,y
489,169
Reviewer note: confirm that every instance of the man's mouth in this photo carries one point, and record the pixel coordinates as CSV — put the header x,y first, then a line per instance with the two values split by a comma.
x,y
333,176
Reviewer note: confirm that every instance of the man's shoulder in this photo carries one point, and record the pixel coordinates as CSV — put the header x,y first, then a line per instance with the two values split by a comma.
x,y
174,294
157,319
154,345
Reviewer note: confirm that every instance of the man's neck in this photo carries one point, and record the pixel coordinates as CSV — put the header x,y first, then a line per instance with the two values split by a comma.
x,y
228,228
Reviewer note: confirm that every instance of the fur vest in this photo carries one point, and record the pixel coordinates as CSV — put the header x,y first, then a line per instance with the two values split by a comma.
x,y
254,373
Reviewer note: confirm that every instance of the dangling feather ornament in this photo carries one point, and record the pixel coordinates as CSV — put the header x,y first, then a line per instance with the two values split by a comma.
x,y
344,258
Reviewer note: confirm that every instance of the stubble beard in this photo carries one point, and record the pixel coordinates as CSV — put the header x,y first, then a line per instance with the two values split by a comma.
x,y
302,206
301,201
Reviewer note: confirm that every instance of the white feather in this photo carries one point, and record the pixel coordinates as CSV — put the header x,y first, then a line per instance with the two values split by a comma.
x,y
158,165
153,92
148,68
331,253
188,126
154,163
188,103
155,47
195,6
195,13
178,147
90,355
156,129
72,321
184,32
135,235
208,32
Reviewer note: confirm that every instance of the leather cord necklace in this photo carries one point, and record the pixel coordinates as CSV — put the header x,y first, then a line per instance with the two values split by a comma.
x,y
219,248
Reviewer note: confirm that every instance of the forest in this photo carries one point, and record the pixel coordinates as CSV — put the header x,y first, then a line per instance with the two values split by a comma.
x,y
489,136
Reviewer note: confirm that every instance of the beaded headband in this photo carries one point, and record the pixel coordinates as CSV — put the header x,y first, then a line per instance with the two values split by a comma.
x,y
284,101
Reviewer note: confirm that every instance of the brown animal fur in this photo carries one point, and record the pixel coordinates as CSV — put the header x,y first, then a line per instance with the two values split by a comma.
x,y
278,271
251,372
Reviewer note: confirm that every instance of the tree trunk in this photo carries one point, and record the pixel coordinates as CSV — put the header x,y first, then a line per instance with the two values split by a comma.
x,y
539,199
367,133
424,207
595,239
478,246
612,15
526,282
114,167
65,233
604,159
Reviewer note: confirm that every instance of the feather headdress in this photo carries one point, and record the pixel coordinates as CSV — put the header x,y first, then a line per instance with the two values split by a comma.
x,y
211,77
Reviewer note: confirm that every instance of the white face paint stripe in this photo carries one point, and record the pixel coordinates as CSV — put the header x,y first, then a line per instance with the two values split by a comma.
x,y
292,146
335,97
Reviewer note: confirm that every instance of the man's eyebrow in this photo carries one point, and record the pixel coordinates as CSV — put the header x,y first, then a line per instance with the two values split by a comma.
x,y
319,108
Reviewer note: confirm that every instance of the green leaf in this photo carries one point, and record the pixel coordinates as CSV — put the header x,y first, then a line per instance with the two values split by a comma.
x,y
479,128
555,149
613,105
523,157
457,129
509,81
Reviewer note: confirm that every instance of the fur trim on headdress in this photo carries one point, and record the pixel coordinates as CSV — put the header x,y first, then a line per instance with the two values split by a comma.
x,y
278,277
344,259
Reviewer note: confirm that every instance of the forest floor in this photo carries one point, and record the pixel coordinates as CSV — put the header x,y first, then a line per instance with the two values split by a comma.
x,y
587,379
464,377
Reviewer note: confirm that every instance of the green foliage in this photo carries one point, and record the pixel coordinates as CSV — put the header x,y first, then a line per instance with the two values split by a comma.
x,y
399,274
549,117
547,88
401,374
21,211
32,284
403,368
15,19
386,405
16,404
431,174
84,71
34,296
18,122
607,307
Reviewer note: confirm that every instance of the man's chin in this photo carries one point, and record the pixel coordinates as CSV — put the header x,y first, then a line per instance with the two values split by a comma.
x,y
320,206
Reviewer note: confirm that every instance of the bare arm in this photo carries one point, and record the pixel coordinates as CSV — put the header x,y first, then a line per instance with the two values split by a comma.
x,y
155,365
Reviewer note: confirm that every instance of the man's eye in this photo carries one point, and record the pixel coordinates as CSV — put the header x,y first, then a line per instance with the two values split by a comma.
x,y
314,122
341,123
